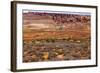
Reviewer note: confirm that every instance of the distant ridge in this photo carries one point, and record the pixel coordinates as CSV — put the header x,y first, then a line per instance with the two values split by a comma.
x,y
58,12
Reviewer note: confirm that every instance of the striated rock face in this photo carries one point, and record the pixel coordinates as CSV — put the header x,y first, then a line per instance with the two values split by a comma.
x,y
56,21
56,36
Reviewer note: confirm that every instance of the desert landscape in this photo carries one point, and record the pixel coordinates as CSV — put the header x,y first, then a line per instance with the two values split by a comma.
x,y
56,36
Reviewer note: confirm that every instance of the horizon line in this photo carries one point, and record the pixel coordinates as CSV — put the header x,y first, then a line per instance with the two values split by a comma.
x,y
59,12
